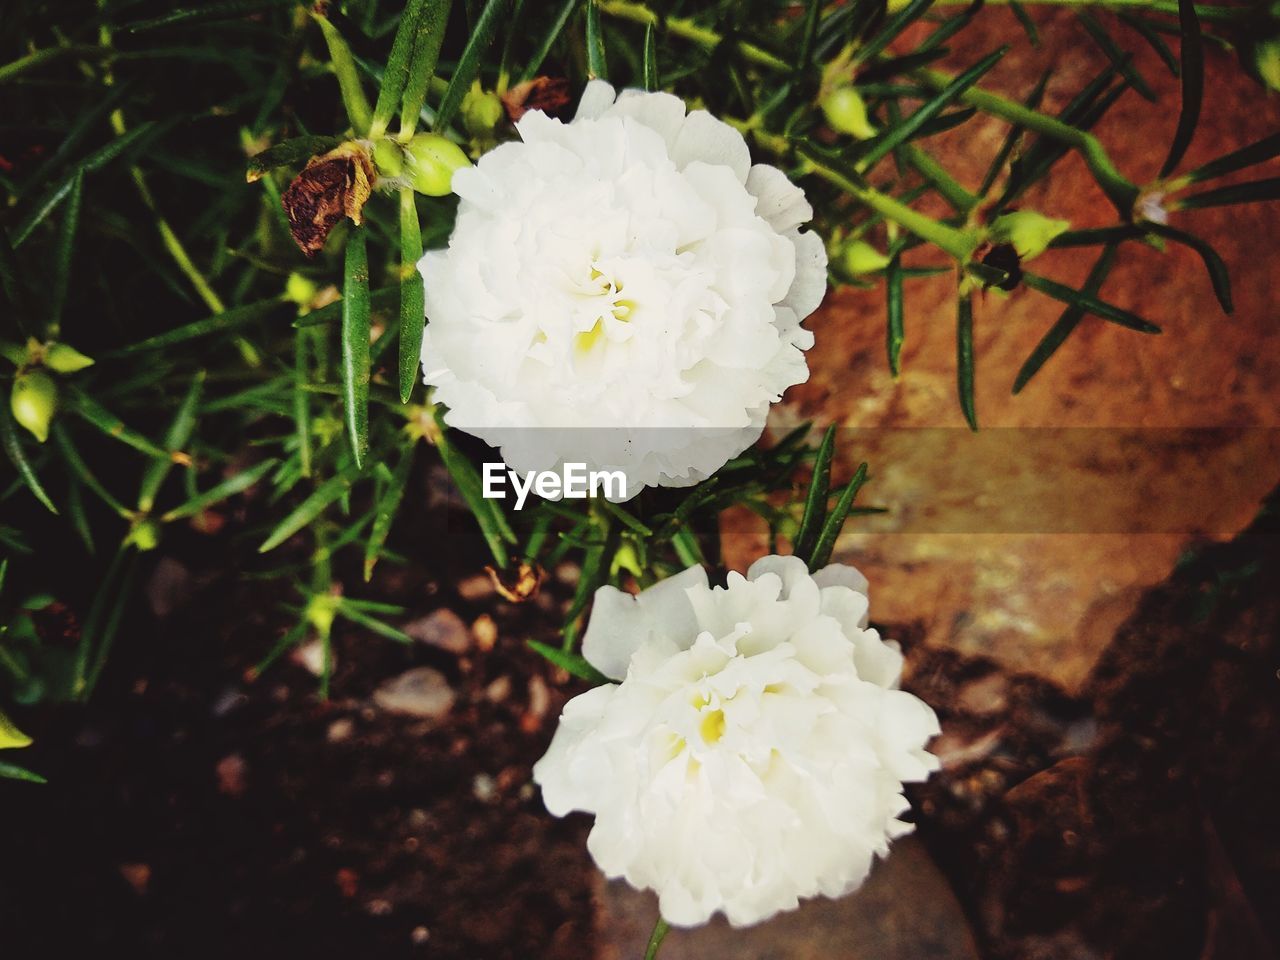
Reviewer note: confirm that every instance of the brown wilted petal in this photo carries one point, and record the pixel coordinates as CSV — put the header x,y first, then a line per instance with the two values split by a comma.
x,y
547,94
520,586
331,186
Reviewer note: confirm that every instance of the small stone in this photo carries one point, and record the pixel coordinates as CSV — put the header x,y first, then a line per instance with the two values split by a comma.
x,y
420,692
539,698
484,788
477,587
442,629
498,690
341,729
485,631
310,656
232,772
420,935
379,907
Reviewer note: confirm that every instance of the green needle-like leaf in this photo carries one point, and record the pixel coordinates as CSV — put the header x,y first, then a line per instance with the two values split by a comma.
x,y
558,22
899,134
1254,153
893,297
226,489
1192,84
355,344
344,68
1122,61
597,66
964,357
815,502
64,252
18,457
469,63
651,81
226,321
572,663
10,771
412,307
835,521
111,425
1089,303
288,153
310,508
426,52
1213,263
385,511
1252,192
1067,323
396,73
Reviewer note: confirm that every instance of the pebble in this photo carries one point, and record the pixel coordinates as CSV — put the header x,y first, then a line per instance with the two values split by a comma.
x,y
310,656
420,692
341,729
485,631
442,629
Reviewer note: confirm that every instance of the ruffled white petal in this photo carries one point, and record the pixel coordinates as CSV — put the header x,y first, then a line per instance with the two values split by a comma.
x,y
755,752
623,291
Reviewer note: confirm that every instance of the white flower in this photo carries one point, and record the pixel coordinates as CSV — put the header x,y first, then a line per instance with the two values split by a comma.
x,y
623,291
754,753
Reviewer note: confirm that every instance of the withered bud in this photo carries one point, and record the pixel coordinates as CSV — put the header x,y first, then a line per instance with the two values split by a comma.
x,y
547,94
331,186
519,585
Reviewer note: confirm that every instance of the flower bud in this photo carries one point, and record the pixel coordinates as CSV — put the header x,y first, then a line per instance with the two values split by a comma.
x,y
861,257
481,112
300,289
61,358
431,162
846,111
1266,60
388,159
320,613
145,535
33,401
1029,233
11,738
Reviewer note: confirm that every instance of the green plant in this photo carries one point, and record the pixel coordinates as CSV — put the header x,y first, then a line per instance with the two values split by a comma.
x,y
226,362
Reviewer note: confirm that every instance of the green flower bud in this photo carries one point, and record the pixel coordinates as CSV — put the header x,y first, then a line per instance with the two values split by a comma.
x,y
846,111
431,162
320,613
33,401
11,738
300,289
61,358
862,257
145,535
1029,233
1266,60
481,111
388,159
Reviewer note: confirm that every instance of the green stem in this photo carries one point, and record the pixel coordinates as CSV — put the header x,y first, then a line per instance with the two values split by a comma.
x,y
1121,191
959,243
655,939
688,30
1219,14
1118,188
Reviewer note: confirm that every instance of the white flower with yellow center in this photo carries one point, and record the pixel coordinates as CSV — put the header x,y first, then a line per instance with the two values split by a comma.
x,y
623,291
755,749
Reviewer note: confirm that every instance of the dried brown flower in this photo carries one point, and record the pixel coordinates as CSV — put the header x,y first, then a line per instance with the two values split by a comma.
x,y
330,186
547,94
